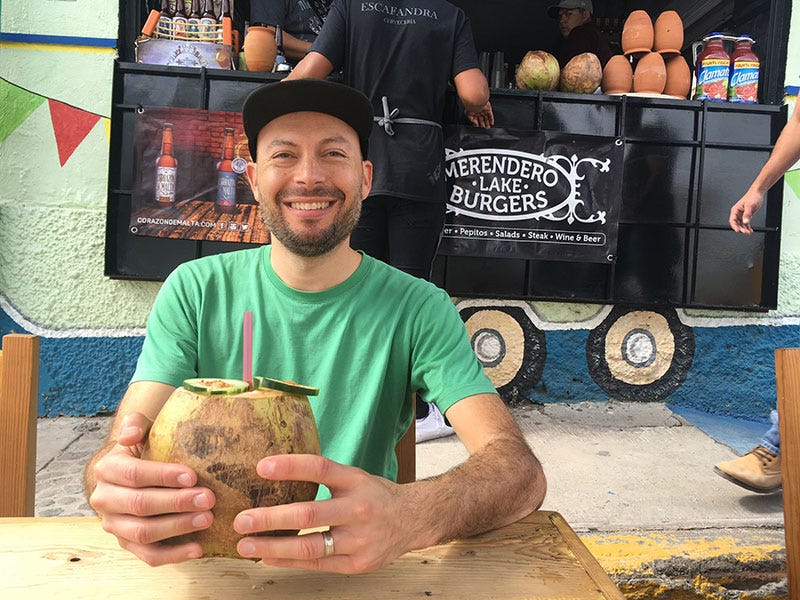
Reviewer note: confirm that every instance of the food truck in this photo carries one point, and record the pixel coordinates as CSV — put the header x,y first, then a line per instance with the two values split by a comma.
x,y
616,276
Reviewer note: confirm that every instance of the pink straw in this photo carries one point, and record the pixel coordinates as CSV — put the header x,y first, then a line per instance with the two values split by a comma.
x,y
247,348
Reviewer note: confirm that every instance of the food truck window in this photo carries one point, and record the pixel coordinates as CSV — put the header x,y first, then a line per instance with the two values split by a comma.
x,y
681,224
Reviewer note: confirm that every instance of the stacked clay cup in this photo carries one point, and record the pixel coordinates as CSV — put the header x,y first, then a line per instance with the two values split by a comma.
x,y
656,50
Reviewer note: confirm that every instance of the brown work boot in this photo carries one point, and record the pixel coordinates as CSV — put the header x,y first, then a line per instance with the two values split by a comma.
x,y
758,471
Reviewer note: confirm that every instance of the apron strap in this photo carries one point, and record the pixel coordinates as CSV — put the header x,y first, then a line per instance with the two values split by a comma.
x,y
390,116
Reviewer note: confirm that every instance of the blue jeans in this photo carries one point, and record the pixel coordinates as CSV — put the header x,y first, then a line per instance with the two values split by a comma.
x,y
772,439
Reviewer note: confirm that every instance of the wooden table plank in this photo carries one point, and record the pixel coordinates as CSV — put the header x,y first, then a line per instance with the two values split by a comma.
x,y
537,558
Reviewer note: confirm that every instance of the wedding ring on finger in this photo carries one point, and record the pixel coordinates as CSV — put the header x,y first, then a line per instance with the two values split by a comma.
x,y
327,539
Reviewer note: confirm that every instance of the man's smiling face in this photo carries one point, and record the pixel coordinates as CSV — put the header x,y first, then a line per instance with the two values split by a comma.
x,y
309,180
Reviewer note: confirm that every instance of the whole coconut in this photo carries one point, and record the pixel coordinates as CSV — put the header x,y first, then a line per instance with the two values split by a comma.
x,y
222,437
538,71
582,74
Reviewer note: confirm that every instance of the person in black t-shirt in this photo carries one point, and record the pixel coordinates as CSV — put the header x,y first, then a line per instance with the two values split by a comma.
x,y
300,20
401,54
578,31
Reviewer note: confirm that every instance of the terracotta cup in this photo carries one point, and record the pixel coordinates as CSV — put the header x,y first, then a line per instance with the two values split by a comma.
x,y
679,77
650,75
637,33
668,33
617,75
260,49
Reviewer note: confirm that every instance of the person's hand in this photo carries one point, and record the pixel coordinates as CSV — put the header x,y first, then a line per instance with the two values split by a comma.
x,y
367,515
743,211
481,118
143,502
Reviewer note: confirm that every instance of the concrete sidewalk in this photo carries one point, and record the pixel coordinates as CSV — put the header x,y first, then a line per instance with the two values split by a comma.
x,y
634,480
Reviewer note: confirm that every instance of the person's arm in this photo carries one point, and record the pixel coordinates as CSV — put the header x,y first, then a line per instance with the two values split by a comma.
x,y
785,153
473,90
143,502
293,47
373,520
314,66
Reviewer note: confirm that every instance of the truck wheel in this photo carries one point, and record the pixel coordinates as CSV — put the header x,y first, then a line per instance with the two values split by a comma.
x,y
640,355
510,347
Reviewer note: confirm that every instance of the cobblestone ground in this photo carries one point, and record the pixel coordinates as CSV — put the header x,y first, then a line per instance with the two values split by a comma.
x,y
65,444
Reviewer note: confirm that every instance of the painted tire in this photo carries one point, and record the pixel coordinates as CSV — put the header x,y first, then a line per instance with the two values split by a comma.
x,y
640,355
510,347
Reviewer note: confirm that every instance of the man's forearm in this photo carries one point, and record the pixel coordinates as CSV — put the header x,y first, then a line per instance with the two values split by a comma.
x,y
499,484
785,153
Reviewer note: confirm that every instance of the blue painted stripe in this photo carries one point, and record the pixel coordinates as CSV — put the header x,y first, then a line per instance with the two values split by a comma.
x,y
64,40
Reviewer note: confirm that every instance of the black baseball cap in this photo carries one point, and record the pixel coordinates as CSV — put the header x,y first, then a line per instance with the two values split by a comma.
x,y
274,100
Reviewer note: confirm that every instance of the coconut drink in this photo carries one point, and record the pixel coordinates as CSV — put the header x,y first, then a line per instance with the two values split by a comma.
x,y
221,428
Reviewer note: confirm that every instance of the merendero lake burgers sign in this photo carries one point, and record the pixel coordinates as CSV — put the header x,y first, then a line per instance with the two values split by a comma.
x,y
532,194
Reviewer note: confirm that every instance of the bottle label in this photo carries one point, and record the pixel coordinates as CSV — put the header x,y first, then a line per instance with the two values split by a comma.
x,y
226,188
193,28
208,29
743,86
165,184
164,28
179,25
712,79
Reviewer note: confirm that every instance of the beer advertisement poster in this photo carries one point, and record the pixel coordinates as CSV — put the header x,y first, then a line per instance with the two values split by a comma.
x,y
189,177
532,194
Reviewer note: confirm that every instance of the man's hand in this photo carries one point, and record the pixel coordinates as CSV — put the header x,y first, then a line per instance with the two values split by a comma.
x,y
365,516
144,502
481,118
743,211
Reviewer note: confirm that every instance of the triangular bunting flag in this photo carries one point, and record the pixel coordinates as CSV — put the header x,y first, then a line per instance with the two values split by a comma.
x,y
71,125
17,105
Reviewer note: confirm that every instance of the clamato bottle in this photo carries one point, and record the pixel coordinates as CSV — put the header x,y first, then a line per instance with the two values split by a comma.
x,y
713,70
226,177
743,85
166,169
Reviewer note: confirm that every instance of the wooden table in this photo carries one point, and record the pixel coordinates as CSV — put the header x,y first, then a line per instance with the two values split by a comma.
x,y
538,557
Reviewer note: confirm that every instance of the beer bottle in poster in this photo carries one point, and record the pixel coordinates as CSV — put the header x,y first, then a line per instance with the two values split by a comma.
x,y
208,22
166,169
193,24
226,177
164,27
225,10
180,20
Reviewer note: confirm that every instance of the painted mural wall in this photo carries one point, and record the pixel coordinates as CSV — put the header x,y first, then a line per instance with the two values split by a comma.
x,y
56,71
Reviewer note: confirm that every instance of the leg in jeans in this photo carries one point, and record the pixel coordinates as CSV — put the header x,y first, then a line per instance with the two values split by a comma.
x,y
772,438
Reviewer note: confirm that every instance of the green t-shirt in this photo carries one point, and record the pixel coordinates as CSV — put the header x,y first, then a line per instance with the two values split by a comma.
x,y
368,344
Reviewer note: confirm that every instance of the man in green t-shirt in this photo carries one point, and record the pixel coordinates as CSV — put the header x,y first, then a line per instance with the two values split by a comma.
x,y
366,334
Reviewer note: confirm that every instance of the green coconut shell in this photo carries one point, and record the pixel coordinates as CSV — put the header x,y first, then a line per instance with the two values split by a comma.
x,y
222,437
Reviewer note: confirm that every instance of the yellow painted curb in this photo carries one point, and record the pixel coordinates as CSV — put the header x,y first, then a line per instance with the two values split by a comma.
x,y
634,553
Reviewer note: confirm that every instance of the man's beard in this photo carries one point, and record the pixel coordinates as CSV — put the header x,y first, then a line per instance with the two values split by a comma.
x,y
313,244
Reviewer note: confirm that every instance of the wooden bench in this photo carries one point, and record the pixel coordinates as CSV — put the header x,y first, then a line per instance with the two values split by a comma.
x,y
19,385
787,374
